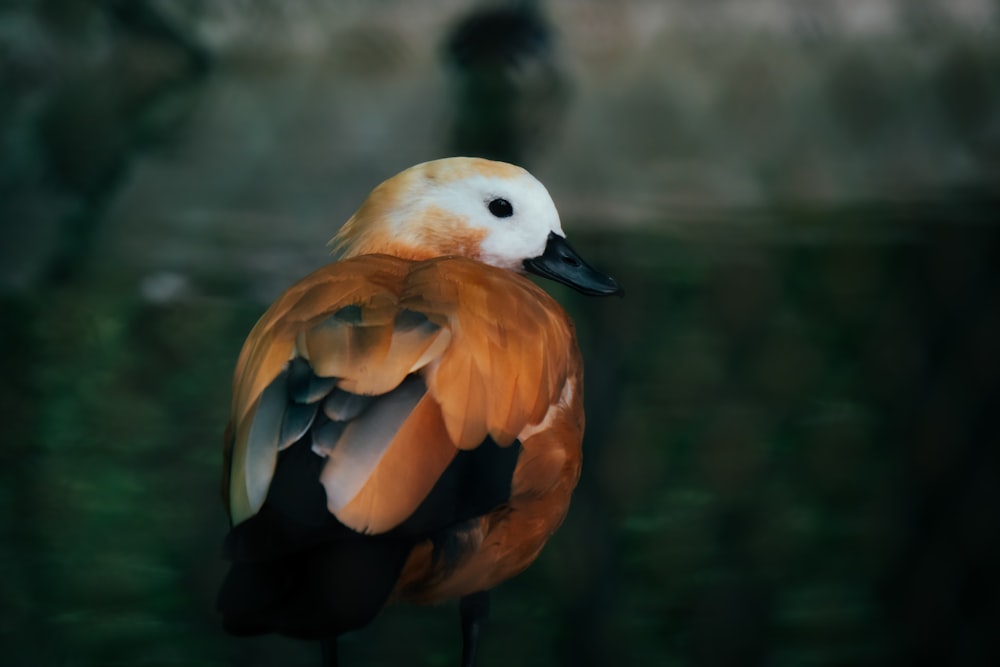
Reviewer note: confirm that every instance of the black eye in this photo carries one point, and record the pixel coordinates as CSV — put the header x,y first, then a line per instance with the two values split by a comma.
x,y
501,208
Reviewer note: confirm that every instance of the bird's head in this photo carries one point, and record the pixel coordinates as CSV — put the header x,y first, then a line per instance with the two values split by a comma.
x,y
492,212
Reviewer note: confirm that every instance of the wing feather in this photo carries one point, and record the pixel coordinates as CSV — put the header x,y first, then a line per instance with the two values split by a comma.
x,y
394,487
304,385
390,367
295,423
260,397
481,305
325,436
364,442
369,355
254,463
343,406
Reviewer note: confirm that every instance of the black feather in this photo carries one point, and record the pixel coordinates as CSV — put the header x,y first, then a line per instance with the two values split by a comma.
x,y
298,571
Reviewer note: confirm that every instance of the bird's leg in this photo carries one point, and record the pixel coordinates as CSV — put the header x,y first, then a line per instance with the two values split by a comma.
x,y
474,609
329,647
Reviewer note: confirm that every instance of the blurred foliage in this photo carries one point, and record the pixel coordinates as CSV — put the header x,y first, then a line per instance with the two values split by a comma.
x,y
791,454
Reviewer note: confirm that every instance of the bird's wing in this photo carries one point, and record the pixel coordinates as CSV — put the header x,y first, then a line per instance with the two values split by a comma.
x,y
511,349
390,367
310,366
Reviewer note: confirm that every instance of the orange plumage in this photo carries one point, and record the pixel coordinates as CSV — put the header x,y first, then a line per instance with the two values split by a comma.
x,y
417,392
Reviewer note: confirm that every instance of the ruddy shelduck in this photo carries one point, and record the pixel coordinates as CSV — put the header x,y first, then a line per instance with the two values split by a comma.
x,y
406,422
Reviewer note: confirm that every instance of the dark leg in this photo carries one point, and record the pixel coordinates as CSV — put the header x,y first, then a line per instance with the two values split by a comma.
x,y
329,647
474,609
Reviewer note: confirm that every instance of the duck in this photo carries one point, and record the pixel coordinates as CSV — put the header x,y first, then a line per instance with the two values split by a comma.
x,y
406,422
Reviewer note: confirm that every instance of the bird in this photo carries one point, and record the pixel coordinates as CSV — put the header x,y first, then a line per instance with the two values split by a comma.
x,y
406,422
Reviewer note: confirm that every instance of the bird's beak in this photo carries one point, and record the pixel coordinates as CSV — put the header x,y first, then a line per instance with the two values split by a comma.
x,y
560,263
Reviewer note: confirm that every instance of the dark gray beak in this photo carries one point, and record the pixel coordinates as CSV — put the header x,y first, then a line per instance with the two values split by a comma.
x,y
560,263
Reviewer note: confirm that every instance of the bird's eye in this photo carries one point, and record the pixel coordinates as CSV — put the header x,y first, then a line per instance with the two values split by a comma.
x,y
501,208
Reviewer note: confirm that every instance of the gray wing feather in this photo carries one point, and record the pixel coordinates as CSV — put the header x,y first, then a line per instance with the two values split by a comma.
x,y
325,436
365,440
351,430
343,406
297,420
262,442
304,385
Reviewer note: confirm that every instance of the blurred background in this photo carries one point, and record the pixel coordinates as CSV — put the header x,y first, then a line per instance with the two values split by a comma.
x,y
792,455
